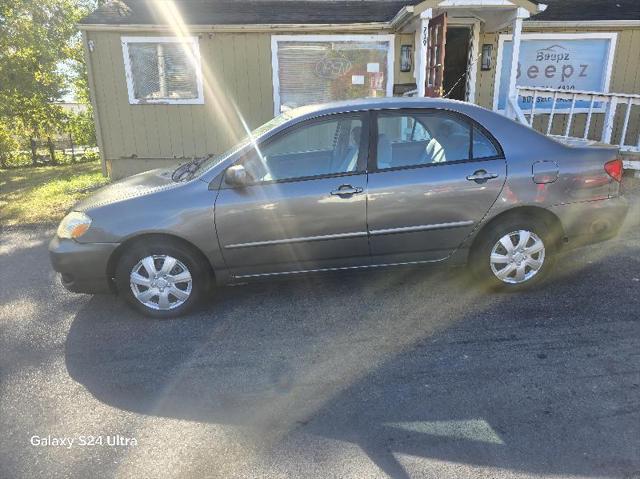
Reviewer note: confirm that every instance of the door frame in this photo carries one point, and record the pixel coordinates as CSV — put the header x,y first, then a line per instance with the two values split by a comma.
x,y
235,271
473,124
468,60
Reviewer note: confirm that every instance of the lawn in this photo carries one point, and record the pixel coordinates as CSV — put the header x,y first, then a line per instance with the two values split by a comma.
x,y
44,194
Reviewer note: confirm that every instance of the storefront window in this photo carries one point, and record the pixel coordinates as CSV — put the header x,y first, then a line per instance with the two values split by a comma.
x,y
319,69
564,61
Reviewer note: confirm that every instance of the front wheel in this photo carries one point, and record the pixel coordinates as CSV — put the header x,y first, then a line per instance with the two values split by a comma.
x,y
514,255
161,279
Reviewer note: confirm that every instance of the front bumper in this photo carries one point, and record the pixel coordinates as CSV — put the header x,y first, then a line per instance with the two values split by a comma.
x,y
592,221
82,266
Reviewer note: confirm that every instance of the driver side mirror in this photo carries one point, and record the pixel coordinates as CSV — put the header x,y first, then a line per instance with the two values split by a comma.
x,y
237,176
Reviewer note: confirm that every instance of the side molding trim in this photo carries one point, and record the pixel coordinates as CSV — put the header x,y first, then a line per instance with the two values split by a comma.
x,y
344,268
303,239
413,229
358,234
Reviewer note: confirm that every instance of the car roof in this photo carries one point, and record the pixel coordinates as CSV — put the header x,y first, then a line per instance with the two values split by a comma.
x,y
363,104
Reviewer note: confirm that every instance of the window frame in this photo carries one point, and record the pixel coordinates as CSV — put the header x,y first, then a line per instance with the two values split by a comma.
x,y
192,41
363,151
275,62
372,165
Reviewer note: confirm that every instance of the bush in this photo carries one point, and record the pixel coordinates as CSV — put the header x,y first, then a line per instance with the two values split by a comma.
x,y
82,128
90,156
22,159
8,144
17,159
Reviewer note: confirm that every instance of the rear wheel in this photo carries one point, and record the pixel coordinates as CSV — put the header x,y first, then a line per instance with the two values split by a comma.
x,y
514,255
161,278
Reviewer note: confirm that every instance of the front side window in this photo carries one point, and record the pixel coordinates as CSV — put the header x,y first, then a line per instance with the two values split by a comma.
x,y
317,148
408,139
162,70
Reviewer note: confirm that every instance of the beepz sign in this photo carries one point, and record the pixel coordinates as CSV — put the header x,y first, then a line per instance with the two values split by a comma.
x,y
567,62
554,63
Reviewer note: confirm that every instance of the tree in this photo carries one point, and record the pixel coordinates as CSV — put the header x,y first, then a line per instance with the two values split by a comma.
x,y
81,128
40,59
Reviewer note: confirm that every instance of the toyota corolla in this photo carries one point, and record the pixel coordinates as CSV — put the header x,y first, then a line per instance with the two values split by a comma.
x,y
353,185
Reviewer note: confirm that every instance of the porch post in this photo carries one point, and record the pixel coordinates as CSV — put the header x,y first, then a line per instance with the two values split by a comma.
x,y
512,95
421,64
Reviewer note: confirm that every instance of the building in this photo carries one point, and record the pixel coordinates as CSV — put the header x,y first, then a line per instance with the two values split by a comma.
x,y
176,79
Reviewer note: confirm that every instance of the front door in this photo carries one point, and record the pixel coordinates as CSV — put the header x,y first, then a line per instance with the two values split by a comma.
x,y
436,55
306,206
436,176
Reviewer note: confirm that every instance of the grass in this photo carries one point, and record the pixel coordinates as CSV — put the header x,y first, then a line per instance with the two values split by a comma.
x,y
44,194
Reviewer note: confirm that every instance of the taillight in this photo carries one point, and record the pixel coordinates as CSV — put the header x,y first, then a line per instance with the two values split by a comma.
x,y
614,169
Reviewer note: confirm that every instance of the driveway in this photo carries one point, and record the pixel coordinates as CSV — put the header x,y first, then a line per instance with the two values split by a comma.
x,y
404,373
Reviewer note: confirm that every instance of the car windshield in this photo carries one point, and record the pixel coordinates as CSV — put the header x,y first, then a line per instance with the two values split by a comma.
x,y
214,160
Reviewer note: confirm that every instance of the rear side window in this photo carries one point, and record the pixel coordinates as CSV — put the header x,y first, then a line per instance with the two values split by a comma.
x,y
410,138
414,139
483,147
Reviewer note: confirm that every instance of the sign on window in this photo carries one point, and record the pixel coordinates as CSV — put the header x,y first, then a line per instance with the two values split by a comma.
x,y
560,61
317,69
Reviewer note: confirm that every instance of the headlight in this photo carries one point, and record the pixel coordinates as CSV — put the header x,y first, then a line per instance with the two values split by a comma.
x,y
74,225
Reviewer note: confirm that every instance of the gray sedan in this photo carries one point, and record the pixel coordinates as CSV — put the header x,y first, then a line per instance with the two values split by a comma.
x,y
357,185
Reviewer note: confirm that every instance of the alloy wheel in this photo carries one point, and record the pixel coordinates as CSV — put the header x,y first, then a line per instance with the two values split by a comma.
x,y
161,282
517,257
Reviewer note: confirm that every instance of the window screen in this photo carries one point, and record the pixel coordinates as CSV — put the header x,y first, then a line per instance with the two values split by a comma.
x,y
163,71
322,71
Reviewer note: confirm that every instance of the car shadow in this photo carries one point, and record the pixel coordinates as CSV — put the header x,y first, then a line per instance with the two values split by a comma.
x,y
406,364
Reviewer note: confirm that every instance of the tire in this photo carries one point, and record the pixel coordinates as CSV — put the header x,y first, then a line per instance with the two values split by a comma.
x,y
178,284
500,269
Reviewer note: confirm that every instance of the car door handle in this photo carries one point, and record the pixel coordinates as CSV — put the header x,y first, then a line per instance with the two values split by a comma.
x,y
346,190
481,176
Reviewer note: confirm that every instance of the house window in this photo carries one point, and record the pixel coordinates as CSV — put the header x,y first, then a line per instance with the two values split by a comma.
x,y
311,69
163,70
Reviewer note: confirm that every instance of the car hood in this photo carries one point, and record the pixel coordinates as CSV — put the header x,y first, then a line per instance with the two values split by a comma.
x,y
134,186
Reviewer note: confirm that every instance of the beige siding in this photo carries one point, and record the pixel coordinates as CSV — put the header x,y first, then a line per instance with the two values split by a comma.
x,y
237,83
237,77
625,78
403,77
238,80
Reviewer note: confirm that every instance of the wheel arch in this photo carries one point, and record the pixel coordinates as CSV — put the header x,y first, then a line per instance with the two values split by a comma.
x,y
550,220
145,237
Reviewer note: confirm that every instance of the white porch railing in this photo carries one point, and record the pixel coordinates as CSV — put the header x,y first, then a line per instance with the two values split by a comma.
x,y
602,117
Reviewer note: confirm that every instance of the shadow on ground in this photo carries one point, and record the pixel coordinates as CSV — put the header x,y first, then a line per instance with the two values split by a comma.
x,y
400,363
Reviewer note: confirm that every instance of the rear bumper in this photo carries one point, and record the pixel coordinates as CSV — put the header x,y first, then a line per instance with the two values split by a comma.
x,y
592,221
82,266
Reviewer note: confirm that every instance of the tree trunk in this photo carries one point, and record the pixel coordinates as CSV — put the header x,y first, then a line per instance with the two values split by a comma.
x,y
52,150
34,151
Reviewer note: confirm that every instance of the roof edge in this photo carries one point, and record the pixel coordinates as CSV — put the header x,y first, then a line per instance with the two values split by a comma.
x,y
303,27
581,23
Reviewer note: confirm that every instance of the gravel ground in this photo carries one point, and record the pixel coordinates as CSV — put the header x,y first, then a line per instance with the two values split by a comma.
x,y
405,373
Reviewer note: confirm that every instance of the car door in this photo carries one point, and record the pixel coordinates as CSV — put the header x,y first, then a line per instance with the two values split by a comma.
x,y
305,208
434,177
